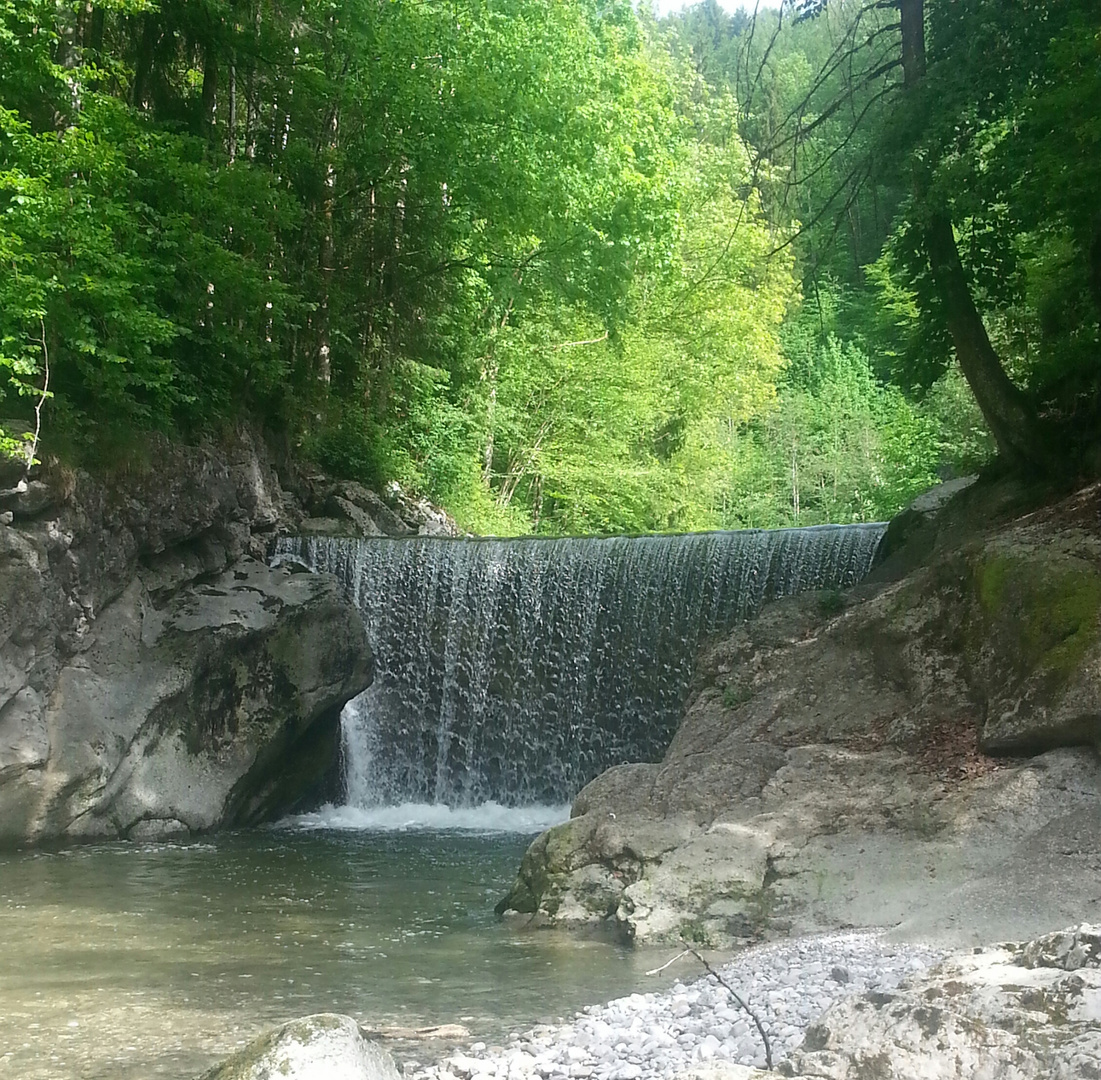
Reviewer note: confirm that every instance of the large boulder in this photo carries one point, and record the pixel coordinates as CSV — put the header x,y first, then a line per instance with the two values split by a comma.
x,y
326,1046
833,767
1010,1012
218,706
156,677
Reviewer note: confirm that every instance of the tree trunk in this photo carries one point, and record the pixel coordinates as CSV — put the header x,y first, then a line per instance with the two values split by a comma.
x,y
327,256
251,107
1008,413
208,108
231,125
143,69
491,420
95,30
913,41
1095,264
1005,408
68,57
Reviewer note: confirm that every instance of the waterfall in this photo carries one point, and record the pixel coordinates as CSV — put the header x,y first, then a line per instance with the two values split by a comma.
x,y
517,670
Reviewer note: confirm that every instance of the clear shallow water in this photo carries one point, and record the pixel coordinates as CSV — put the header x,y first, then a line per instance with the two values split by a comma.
x,y
128,960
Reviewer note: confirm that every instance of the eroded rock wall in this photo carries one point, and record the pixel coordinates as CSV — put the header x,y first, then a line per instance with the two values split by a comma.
x,y
834,766
155,675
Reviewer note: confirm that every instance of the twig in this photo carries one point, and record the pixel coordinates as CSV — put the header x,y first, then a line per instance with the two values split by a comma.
x,y
395,1031
575,344
668,963
33,448
737,997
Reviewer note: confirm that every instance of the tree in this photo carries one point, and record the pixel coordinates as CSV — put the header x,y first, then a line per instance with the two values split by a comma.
x,y
1009,415
965,131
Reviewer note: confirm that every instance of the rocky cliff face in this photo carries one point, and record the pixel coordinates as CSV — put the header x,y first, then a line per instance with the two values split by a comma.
x,y
835,763
155,675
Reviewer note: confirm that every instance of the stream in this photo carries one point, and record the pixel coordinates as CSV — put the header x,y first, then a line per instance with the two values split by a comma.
x,y
127,960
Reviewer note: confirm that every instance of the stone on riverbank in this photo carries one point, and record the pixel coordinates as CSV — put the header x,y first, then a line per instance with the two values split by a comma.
x,y
326,1046
836,1007
1007,1012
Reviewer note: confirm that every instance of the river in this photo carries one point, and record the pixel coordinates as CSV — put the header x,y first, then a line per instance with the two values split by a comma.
x,y
128,961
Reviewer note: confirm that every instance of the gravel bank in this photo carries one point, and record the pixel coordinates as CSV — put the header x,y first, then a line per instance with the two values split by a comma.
x,y
787,985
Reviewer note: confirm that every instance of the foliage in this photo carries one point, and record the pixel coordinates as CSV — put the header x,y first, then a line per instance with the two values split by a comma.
x,y
541,261
615,432
839,446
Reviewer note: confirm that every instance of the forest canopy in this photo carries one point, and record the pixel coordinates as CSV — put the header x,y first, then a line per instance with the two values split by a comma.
x,y
561,267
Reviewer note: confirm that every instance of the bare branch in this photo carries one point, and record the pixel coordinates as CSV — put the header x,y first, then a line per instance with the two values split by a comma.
x,y
668,963
737,997
587,341
33,448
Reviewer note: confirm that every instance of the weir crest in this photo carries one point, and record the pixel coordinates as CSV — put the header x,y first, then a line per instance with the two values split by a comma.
x,y
517,670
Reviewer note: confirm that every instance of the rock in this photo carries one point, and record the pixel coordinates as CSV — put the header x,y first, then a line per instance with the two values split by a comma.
x,y
156,678
419,516
716,879
326,526
347,508
576,872
383,517
725,1070
364,524
951,514
27,498
1037,655
628,787
13,466
1068,950
24,739
830,768
156,829
219,707
325,1046
918,521
977,1015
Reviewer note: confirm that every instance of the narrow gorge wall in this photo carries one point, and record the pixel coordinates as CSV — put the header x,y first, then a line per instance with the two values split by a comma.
x,y
517,670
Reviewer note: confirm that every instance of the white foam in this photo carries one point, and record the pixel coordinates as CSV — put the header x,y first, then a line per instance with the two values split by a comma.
x,y
490,817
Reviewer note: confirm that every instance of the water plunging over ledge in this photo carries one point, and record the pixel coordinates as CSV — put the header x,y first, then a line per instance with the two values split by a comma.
x,y
515,671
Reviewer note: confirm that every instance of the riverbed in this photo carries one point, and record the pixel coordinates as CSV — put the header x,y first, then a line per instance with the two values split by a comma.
x,y
130,960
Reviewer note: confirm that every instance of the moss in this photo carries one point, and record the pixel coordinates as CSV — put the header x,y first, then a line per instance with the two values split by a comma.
x,y
735,695
1051,608
693,932
992,576
544,870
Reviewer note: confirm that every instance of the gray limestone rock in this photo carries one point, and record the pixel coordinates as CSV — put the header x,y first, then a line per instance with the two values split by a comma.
x,y
156,678
983,1015
326,1046
218,707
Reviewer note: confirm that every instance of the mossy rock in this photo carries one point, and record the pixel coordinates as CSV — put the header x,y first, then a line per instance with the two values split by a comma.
x,y
1052,610
326,1044
545,868
1034,644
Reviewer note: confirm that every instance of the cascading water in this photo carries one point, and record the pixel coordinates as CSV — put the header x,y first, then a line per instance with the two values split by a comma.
x,y
517,670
